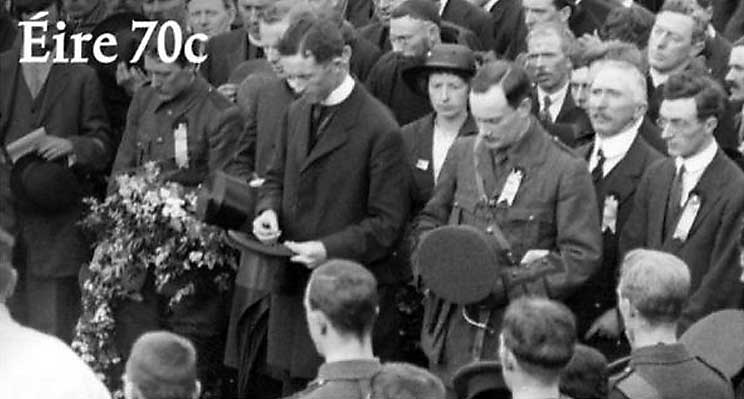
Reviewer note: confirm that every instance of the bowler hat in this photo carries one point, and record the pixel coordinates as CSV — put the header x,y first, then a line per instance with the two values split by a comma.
x,y
454,58
476,379
47,186
225,201
718,339
461,264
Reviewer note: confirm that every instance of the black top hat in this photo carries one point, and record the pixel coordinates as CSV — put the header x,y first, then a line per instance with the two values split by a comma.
x,y
461,264
225,201
476,379
454,58
43,185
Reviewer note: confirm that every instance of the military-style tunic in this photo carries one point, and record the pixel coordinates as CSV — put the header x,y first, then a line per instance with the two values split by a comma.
x,y
350,379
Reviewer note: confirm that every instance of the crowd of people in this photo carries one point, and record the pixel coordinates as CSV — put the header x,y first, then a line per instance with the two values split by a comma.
x,y
477,198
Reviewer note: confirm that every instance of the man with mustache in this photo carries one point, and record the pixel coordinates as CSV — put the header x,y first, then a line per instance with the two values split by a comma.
x,y
691,204
211,17
548,49
617,158
515,178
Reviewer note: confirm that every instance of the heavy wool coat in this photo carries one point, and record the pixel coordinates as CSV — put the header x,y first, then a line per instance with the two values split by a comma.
x,y
711,250
350,191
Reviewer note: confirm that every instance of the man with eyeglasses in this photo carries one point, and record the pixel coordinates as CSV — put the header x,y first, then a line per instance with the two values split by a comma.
x,y
691,204
512,181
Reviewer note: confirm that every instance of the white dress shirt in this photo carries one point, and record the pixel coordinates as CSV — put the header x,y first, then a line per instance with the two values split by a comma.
x,y
340,93
694,168
34,365
657,78
613,148
441,144
442,5
556,100
488,6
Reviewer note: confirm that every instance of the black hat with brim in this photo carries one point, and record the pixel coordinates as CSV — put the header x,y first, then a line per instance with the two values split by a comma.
x,y
248,242
453,58
47,186
474,379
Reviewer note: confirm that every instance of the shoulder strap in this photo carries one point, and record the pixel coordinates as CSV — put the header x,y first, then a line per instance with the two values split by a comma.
x,y
636,387
715,369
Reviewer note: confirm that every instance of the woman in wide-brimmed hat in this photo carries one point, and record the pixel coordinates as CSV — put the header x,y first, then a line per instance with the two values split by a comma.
x,y
445,77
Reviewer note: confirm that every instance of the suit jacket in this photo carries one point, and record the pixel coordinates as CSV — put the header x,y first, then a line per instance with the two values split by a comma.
x,y
472,17
599,293
350,191
572,126
364,54
652,134
71,108
385,81
735,25
8,31
419,138
711,250
224,53
506,18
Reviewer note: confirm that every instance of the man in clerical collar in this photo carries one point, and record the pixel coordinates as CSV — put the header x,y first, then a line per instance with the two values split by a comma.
x,y
548,62
652,293
690,204
316,205
515,178
617,157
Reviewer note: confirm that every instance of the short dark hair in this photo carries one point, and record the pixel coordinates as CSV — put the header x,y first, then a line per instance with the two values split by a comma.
x,y
512,78
560,4
152,49
308,35
403,380
656,283
163,365
708,94
346,293
585,376
629,24
422,10
540,333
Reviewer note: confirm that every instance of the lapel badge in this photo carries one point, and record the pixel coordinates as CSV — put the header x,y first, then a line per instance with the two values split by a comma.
x,y
509,191
422,164
687,218
609,214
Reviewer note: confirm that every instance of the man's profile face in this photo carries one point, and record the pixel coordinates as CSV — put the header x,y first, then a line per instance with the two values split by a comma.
x,y
306,77
670,44
210,17
611,106
79,8
547,64
580,82
409,36
270,36
735,75
250,11
498,123
165,10
168,79
538,11
684,133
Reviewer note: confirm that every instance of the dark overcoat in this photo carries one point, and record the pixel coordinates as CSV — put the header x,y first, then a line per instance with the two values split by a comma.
x,y
472,17
350,191
711,250
571,125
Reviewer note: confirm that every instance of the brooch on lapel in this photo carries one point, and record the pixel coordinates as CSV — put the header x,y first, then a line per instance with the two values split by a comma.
x,y
181,144
422,164
609,214
511,186
687,218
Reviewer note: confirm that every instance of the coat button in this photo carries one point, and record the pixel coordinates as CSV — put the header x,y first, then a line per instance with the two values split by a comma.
x,y
159,140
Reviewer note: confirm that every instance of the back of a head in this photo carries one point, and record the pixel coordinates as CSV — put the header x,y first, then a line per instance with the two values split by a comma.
x,y
309,35
346,293
629,24
422,10
541,334
406,381
655,283
512,78
585,376
162,365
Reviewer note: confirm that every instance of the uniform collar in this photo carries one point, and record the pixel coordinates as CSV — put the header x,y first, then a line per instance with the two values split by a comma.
x,y
197,89
340,93
349,369
660,354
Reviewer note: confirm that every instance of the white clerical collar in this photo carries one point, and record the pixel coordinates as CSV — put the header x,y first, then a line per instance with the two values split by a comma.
x,y
488,6
340,93
699,161
442,6
657,78
617,145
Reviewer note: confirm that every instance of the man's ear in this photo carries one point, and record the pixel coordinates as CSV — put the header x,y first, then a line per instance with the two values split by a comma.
x,y
525,106
434,34
711,124
697,48
565,14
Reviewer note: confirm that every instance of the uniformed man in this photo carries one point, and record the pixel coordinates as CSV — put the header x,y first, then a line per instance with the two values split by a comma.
x,y
341,307
180,122
652,291
537,341
517,183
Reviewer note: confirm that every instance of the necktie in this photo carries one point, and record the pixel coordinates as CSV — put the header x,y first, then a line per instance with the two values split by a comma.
x,y
545,112
598,171
674,206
